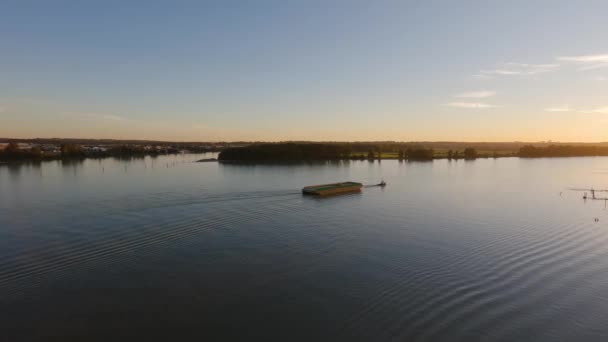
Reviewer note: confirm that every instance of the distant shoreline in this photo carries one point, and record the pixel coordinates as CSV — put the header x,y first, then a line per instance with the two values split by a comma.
x,y
273,161
349,151
291,151
43,150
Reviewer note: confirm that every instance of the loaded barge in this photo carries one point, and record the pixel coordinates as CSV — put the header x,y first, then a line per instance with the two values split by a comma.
x,y
332,189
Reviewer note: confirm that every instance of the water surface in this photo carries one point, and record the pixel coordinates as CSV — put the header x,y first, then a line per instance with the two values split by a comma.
x,y
166,248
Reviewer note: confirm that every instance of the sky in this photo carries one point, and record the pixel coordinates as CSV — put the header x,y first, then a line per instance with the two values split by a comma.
x,y
305,70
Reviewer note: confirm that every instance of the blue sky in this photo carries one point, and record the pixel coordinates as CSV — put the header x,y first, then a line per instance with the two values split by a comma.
x,y
305,70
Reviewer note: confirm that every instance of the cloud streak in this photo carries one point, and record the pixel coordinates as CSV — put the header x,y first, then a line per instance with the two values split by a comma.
x,y
470,105
517,69
585,59
558,109
109,117
587,62
96,116
601,110
477,94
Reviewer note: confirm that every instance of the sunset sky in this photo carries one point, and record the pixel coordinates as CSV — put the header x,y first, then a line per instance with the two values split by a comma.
x,y
305,70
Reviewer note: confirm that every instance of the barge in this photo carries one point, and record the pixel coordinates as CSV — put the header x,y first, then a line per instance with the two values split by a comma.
x,y
332,189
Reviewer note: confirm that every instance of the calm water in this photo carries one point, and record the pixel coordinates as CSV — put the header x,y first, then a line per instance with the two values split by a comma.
x,y
166,248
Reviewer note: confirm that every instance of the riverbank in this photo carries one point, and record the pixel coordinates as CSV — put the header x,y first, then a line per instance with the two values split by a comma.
x,y
302,151
337,151
354,151
30,152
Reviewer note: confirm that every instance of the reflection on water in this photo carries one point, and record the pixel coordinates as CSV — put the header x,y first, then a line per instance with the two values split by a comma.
x,y
165,247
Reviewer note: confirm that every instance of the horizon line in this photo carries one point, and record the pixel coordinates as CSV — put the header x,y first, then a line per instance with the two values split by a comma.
x,y
3,139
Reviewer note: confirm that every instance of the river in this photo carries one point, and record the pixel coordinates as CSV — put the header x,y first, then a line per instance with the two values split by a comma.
x,y
165,248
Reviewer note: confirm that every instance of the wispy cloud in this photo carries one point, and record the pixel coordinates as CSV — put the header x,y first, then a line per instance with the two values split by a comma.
x,y
558,109
601,110
598,110
517,69
481,77
477,94
600,78
587,62
585,58
471,105
107,117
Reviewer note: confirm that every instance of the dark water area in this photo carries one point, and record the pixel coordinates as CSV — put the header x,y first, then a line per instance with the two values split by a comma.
x,y
167,249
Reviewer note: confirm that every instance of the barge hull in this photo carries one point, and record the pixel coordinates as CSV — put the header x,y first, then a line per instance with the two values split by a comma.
x,y
332,189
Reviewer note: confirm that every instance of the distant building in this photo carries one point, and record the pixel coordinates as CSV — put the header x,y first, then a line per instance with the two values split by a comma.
x,y
50,148
94,149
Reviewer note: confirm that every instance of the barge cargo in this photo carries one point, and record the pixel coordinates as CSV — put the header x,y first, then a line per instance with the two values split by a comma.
x,y
332,189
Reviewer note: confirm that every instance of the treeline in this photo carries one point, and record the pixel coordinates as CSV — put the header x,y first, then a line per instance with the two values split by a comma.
x,y
418,153
184,145
12,152
530,151
334,151
286,151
